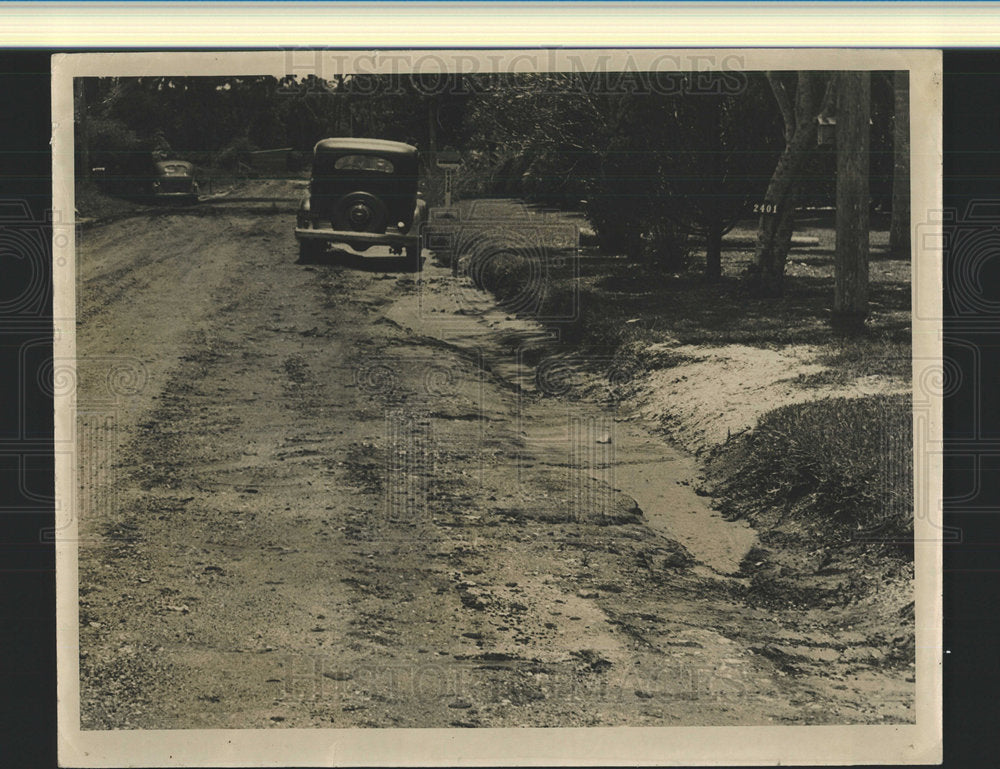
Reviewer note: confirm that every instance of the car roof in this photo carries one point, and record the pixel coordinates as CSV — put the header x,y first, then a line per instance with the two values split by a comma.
x,y
365,145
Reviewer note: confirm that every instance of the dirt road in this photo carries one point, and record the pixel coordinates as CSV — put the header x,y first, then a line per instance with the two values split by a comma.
x,y
326,496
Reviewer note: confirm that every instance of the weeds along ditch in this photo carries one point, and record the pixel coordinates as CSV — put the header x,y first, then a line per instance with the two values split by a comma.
x,y
841,464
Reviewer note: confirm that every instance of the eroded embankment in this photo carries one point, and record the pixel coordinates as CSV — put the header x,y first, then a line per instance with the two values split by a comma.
x,y
816,460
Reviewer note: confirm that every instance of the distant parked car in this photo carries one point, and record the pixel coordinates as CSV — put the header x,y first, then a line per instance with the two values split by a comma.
x,y
363,193
174,180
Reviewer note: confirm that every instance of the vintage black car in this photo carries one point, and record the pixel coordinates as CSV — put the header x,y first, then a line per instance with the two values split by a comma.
x,y
363,193
174,180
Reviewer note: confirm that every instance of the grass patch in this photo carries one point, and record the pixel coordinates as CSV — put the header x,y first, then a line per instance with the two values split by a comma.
x,y
602,301
626,303
880,354
845,464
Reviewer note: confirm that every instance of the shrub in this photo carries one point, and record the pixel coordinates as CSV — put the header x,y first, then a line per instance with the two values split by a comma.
x,y
108,137
670,246
503,272
432,184
617,225
234,153
125,158
298,160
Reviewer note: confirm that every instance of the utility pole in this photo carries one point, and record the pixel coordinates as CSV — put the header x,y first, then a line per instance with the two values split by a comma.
x,y
850,303
899,230
82,134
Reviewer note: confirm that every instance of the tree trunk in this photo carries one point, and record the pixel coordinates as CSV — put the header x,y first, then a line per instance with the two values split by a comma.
x,y
850,304
774,237
716,208
713,251
432,124
899,229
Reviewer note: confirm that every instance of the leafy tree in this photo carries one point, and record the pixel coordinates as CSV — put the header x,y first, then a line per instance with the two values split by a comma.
x,y
649,169
565,142
719,152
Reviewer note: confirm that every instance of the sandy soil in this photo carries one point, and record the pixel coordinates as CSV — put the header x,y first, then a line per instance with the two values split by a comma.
x,y
325,495
747,382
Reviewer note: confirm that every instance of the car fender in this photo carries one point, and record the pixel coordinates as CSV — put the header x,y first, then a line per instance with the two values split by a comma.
x,y
302,217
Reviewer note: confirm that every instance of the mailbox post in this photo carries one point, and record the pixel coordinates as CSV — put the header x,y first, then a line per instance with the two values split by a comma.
x,y
448,160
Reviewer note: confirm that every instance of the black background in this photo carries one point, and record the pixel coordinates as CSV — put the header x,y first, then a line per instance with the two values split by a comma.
x,y
972,427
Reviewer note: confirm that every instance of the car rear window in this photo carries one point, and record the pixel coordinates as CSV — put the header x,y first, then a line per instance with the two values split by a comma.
x,y
364,163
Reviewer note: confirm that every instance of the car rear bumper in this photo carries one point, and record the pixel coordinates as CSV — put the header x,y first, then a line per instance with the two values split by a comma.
x,y
396,239
175,196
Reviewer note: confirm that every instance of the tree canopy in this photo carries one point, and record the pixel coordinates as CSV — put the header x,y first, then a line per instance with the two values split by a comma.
x,y
656,161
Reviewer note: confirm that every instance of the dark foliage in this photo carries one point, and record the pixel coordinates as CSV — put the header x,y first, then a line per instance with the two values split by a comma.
x,y
661,164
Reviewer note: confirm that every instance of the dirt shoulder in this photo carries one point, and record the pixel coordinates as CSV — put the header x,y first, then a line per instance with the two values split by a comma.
x,y
745,384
